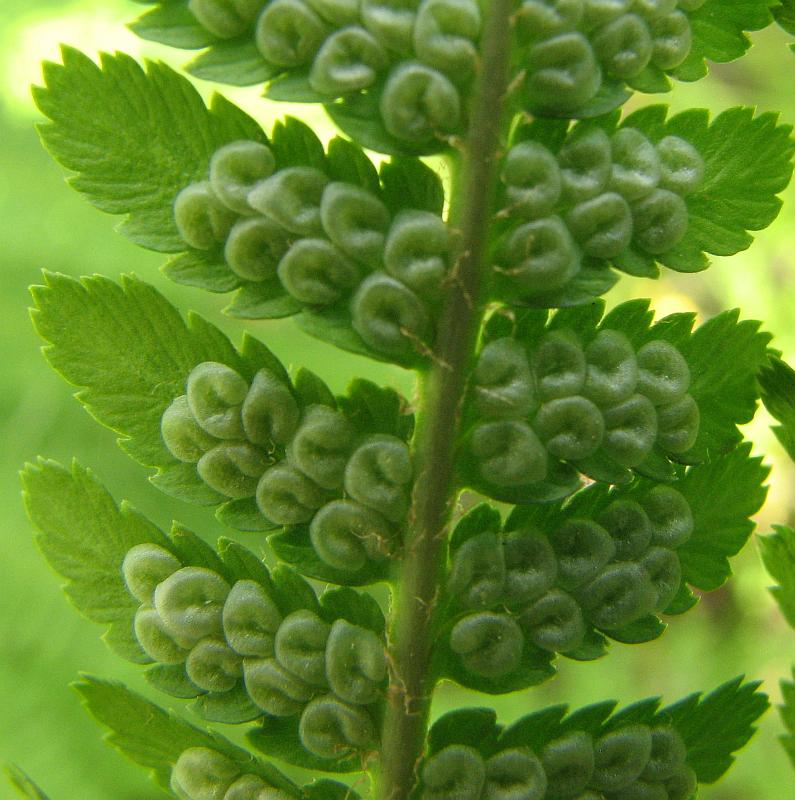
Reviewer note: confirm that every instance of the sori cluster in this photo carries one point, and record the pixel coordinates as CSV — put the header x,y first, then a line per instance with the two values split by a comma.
x,y
410,64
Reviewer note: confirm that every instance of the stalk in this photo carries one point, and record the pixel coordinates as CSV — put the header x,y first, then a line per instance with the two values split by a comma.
x,y
411,634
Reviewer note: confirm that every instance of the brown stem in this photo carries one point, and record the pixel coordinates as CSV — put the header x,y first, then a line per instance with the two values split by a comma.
x,y
408,704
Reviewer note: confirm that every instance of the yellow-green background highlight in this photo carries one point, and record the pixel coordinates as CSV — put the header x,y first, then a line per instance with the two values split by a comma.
x,y
44,644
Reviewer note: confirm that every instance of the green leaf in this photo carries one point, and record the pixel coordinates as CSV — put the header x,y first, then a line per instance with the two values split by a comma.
x,y
295,144
652,80
713,727
582,320
84,536
172,679
263,300
549,131
358,116
333,326
633,318
294,547
373,409
587,502
737,195
643,630
594,647
232,708
244,515
723,496
778,553
534,730
777,380
409,183
348,163
716,726
637,264
241,564
534,668
179,481
785,15
237,63
719,33
601,467
174,25
195,552
562,480
483,518
278,737
358,608
592,718
724,356
130,352
657,467
611,95
293,87
643,712
473,727
525,324
312,390
292,592
23,785
588,283
683,602
202,270
154,738
135,138
255,351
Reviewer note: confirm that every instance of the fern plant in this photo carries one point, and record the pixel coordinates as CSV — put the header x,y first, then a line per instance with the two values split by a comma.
x,y
603,445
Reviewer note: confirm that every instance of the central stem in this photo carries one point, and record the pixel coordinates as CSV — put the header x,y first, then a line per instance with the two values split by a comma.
x,y
408,703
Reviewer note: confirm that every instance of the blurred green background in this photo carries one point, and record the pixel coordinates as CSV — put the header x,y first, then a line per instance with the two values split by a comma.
x,y
44,644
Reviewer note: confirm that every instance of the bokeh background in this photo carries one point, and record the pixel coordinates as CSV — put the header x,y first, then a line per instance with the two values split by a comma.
x,y
44,644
